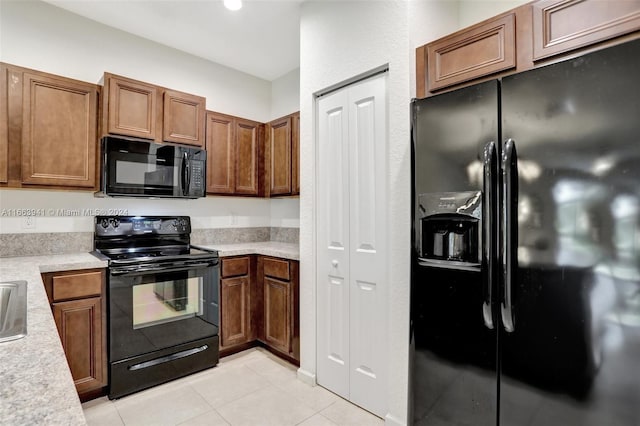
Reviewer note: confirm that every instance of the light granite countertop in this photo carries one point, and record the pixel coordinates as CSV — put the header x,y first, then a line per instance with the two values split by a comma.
x,y
36,384
268,248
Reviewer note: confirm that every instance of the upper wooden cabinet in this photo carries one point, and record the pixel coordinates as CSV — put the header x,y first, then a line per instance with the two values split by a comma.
x,y
183,118
563,25
526,37
282,156
143,110
49,130
234,148
480,50
132,107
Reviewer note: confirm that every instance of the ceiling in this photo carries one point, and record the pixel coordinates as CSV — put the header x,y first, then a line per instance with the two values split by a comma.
x,y
261,39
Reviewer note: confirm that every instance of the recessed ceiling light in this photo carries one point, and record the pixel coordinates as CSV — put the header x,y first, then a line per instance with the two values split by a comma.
x,y
233,4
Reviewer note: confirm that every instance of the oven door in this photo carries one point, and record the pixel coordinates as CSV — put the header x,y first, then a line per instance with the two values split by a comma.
x,y
153,307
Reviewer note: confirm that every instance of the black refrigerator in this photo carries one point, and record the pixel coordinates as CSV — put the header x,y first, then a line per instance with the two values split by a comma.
x,y
525,269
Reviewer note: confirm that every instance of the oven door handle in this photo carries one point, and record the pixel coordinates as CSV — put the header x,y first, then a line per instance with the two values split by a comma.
x,y
139,269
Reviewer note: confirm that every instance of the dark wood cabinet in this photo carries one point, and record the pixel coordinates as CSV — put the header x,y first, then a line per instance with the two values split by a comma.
x,y
131,107
279,281
78,303
236,326
564,25
532,35
49,130
259,304
480,50
277,314
279,158
234,149
183,118
135,108
282,155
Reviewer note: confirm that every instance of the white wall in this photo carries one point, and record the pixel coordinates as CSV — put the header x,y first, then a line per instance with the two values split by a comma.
x,y
474,11
285,94
340,40
428,21
37,35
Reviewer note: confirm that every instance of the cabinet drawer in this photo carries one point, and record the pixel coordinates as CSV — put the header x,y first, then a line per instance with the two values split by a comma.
x,y
276,268
77,285
234,267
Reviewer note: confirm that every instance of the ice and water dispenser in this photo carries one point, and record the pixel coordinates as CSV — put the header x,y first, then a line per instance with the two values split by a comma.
x,y
450,229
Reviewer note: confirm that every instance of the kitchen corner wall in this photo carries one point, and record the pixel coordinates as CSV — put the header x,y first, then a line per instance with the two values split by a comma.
x,y
37,35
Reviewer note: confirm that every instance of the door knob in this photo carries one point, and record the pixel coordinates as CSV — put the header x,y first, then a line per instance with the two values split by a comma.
x,y
334,263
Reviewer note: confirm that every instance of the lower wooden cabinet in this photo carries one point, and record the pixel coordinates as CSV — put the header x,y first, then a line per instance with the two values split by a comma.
x,y
279,280
236,286
259,305
78,303
277,314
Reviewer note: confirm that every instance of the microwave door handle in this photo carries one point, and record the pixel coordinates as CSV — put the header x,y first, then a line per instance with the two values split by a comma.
x,y
489,238
185,173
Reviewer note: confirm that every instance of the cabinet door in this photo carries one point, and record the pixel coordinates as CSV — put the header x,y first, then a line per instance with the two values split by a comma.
x,y
59,133
280,156
221,154
480,50
132,107
563,25
184,116
247,137
79,324
277,314
295,154
235,308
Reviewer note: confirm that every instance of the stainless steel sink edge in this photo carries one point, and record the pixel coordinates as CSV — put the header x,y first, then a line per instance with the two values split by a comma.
x,y
13,310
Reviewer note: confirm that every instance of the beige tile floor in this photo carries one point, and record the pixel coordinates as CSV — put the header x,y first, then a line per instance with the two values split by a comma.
x,y
250,388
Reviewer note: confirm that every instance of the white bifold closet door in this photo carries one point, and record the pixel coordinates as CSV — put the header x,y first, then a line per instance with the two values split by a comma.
x,y
352,280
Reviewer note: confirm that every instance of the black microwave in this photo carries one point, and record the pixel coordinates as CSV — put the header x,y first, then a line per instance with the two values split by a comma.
x,y
137,168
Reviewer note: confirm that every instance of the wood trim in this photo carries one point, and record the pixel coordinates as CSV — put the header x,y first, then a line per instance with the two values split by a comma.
x,y
482,49
616,18
4,123
421,71
295,153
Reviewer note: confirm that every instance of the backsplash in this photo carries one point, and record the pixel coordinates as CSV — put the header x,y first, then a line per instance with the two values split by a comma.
x,y
36,244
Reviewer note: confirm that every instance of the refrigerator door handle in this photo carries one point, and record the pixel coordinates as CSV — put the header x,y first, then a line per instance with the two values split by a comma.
x,y
489,219
509,205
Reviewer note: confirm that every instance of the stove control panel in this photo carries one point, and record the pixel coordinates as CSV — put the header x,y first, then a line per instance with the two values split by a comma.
x,y
138,225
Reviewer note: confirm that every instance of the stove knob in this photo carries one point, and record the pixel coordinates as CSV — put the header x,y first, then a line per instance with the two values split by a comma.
x,y
175,223
104,223
115,222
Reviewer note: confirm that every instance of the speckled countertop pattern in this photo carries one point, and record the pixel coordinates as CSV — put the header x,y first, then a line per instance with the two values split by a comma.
x,y
268,248
36,386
